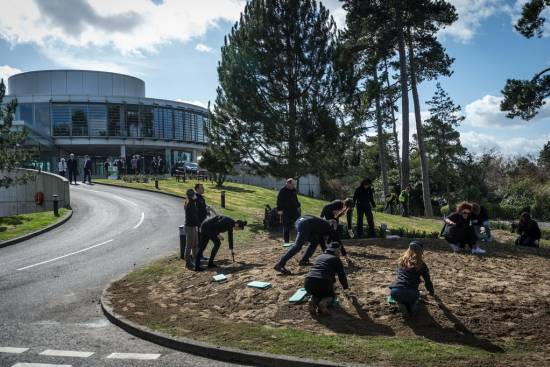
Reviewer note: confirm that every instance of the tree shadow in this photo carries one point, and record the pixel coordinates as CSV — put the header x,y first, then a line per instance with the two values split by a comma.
x,y
367,256
229,267
235,189
424,324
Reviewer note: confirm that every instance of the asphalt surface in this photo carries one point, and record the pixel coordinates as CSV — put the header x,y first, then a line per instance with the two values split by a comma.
x,y
50,285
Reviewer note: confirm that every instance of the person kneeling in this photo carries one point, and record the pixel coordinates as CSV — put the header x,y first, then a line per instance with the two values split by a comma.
x,y
321,278
211,230
410,267
459,231
529,231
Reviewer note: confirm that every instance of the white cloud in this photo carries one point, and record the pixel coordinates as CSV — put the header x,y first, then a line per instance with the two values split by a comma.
x,y
479,143
6,71
485,112
201,47
195,102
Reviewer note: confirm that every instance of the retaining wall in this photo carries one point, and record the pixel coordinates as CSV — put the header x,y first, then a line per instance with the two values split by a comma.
x,y
309,185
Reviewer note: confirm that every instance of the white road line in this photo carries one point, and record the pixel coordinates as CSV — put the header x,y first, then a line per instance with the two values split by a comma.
x,y
66,353
64,256
40,365
141,220
13,350
141,356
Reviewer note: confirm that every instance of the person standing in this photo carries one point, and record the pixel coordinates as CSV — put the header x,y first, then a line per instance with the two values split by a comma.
x,y
191,228
364,201
62,167
154,165
321,278
134,164
106,166
202,208
529,231
87,169
391,201
72,167
119,167
288,207
161,164
404,201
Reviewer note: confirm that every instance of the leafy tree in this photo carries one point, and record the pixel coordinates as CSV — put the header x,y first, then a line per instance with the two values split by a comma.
x,y
12,154
544,156
524,98
277,86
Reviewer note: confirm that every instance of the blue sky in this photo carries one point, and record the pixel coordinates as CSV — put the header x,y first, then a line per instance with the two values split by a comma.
x,y
174,46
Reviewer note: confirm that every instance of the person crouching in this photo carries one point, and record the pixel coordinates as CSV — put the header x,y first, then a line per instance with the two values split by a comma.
x,y
321,278
410,268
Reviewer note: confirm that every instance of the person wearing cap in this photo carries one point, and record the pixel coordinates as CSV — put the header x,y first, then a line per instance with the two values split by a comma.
x,y
191,227
211,230
288,207
334,210
410,268
364,200
321,278
308,229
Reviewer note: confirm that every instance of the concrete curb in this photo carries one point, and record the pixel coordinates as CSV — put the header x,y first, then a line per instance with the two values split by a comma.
x,y
207,350
15,240
139,189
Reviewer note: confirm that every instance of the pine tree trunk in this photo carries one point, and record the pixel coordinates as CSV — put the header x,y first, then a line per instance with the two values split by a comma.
x,y
292,164
381,140
394,124
420,135
405,168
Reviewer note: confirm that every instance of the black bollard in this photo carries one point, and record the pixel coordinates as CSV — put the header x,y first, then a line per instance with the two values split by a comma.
x,y
157,184
223,199
183,241
56,205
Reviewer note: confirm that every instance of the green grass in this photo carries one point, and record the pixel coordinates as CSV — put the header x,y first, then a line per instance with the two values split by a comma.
x,y
19,225
248,202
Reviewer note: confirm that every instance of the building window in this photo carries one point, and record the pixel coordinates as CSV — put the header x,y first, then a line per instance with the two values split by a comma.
x,y
97,119
159,125
132,121
115,120
168,124
42,119
178,124
147,121
188,130
24,112
79,117
61,118
200,128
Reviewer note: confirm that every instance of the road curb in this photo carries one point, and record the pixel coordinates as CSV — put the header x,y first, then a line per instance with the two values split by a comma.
x,y
15,240
140,189
207,350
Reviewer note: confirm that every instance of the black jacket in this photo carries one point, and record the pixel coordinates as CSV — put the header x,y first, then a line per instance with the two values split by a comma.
x,y
530,229
201,208
364,198
483,216
287,201
219,224
192,214
328,209
88,164
327,266
72,164
410,278
461,232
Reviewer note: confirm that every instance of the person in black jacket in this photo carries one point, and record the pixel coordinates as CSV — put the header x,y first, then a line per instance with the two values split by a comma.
x,y
119,167
87,169
321,278
211,230
529,231
308,229
191,228
201,203
72,167
288,207
334,210
364,200
459,232
410,268
480,218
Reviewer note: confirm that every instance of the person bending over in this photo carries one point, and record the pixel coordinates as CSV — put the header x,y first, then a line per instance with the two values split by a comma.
x,y
211,230
480,218
321,278
364,199
308,229
334,210
529,231
288,207
410,268
459,232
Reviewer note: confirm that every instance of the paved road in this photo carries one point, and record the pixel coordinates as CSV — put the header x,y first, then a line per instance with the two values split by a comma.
x,y
50,285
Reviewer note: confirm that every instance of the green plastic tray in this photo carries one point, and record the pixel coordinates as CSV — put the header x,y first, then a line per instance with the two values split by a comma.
x,y
299,296
259,285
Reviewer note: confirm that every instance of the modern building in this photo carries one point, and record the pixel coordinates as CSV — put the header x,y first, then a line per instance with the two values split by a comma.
x,y
104,115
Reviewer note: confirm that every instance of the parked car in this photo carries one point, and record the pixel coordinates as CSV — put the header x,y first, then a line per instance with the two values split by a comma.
x,y
191,167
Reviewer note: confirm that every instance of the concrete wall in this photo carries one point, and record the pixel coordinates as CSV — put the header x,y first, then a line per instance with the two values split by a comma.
x,y
308,185
19,199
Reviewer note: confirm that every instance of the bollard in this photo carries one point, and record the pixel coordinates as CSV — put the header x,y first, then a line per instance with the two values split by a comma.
x,y
223,199
183,241
157,184
56,205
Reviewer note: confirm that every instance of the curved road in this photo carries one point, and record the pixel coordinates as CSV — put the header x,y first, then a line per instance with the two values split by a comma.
x,y
50,285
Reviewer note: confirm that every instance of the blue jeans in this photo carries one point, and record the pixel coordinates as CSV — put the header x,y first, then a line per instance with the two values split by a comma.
x,y
303,236
406,296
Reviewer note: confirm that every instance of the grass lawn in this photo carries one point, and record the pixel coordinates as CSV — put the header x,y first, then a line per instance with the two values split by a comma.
x,y
19,225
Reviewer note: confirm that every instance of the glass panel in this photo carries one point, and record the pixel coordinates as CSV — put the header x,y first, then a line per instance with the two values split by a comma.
x,y
114,120
200,128
97,118
61,116
132,120
188,132
168,124
42,120
178,124
79,116
147,121
26,113
158,126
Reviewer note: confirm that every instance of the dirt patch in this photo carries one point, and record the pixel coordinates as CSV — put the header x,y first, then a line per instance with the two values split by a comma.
x,y
499,303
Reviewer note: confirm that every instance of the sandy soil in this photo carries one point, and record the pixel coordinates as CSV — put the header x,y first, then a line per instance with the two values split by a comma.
x,y
489,302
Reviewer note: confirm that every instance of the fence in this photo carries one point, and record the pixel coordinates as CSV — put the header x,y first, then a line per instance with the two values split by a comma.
x,y
309,185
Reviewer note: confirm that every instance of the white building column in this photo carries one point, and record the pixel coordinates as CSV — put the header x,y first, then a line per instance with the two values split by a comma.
x,y
168,159
123,150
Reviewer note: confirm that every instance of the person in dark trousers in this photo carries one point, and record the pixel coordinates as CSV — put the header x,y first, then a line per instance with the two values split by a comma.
x,y
161,165
119,167
410,268
364,201
321,278
334,210
391,202
72,168
106,166
529,231
404,201
87,170
211,230
459,232
191,228
480,218
155,165
308,229
288,207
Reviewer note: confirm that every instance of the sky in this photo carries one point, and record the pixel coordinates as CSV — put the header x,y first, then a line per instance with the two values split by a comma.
x,y
174,46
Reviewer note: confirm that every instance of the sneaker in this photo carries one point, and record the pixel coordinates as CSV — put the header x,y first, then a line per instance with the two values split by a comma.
x,y
199,269
282,270
478,251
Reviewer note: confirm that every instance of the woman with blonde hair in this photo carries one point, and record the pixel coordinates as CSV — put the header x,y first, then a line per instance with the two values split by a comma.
x,y
410,268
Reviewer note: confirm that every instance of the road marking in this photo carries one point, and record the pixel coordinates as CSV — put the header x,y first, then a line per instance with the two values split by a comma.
x,y
40,365
141,356
64,256
13,350
66,353
140,221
